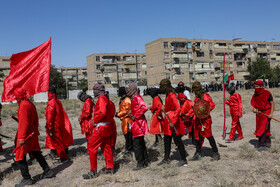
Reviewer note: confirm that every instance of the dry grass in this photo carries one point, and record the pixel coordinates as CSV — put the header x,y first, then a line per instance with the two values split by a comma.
x,y
246,152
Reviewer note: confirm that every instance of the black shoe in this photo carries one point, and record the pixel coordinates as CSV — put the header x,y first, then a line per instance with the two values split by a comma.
x,y
125,152
182,163
262,148
196,156
48,173
24,182
216,156
61,161
164,162
90,175
138,168
155,144
109,171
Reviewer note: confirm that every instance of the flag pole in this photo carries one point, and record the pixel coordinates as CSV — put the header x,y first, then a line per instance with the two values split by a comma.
x,y
224,95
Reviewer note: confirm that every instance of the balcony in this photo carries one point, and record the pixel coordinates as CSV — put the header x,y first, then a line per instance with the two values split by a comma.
x,y
175,77
179,49
238,49
217,75
262,50
221,58
273,56
114,82
129,76
176,66
277,57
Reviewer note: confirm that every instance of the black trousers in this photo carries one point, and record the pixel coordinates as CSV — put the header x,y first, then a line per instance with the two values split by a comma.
x,y
178,142
264,140
211,141
24,167
140,151
128,141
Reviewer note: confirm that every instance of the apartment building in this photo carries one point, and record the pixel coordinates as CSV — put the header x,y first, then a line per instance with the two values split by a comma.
x,y
188,60
73,75
116,69
5,68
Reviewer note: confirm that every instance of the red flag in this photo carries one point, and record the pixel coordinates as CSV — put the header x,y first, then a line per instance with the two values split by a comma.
x,y
30,70
231,77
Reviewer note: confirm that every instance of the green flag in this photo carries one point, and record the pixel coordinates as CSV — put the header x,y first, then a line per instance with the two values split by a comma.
x,y
226,77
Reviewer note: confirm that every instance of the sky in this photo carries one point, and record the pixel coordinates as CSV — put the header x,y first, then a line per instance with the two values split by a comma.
x,y
79,28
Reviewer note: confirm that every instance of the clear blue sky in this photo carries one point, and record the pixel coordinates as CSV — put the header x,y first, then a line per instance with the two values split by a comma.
x,y
80,28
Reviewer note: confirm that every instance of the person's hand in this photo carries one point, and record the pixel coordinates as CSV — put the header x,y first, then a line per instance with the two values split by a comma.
x,y
270,116
255,110
163,108
21,142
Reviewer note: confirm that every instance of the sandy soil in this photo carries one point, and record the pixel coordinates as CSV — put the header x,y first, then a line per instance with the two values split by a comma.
x,y
240,165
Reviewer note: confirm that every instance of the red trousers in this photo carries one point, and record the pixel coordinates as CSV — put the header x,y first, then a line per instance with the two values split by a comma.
x,y
235,126
94,141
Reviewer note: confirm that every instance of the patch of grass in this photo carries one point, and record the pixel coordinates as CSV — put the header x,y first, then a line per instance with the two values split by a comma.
x,y
169,172
246,152
223,183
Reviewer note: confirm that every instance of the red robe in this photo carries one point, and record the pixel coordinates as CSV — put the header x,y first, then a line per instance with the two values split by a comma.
x,y
187,110
207,122
58,121
156,123
101,136
86,117
172,109
27,123
263,105
235,104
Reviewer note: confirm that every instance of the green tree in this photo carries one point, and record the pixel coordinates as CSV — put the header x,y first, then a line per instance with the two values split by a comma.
x,y
276,74
83,84
58,82
260,69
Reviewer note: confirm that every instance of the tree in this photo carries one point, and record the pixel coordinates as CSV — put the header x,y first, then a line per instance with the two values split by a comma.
x,y
83,84
58,82
276,74
260,69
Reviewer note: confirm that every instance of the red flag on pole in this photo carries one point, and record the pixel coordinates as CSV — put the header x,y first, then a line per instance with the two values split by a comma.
x,y
231,77
30,70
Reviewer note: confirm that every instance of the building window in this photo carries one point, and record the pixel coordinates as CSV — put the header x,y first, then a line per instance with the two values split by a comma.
x,y
97,58
212,75
167,75
120,74
138,65
167,66
97,66
145,72
144,65
200,54
211,65
138,58
98,75
276,47
166,55
165,45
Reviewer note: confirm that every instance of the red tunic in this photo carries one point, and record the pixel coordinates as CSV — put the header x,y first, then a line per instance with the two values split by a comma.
x,y
172,109
235,104
263,105
139,126
156,123
187,110
58,121
86,117
207,122
27,123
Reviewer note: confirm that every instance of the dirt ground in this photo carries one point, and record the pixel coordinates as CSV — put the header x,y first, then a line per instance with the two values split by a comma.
x,y
240,164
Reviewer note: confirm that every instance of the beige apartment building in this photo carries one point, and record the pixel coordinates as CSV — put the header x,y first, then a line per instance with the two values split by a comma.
x,y
116,69
188,60
5,68
73,75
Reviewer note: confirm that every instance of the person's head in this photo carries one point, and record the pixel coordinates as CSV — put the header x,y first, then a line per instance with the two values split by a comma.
x,y
131,90
82,96
122,92
153,92
258,84
98,89
231,89
51,93
197,88
20,94
165,86
181,86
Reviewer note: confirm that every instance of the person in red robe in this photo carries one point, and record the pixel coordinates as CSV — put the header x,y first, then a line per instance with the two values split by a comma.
x,y
1,148
85,118
202,127
263,106
172,126
139,126
123,114
103,115
58,127
27,138
157,118
186,114
235,104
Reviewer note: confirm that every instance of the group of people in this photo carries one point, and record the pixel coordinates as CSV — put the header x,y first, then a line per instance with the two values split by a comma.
x,y
174,117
